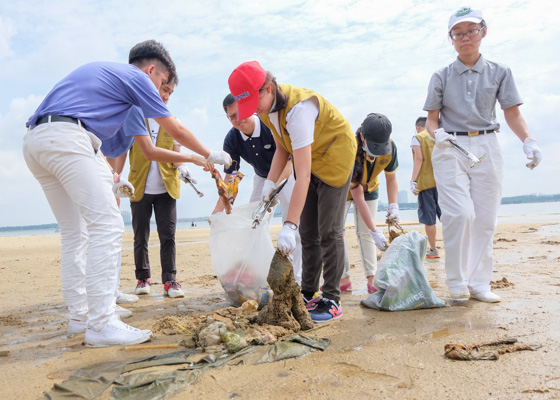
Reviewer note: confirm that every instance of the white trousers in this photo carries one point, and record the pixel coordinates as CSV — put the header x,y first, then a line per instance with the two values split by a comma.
x,y
368,251
77,184
469,199
284,199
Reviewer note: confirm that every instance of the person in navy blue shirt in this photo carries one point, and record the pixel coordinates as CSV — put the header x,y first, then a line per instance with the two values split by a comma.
x,y
251,140
61,148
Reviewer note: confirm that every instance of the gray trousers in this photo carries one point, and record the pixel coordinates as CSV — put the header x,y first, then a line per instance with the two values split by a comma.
x,y
322,237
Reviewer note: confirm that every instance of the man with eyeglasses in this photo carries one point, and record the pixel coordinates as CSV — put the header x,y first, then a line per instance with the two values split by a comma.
x,y
251,140
463,95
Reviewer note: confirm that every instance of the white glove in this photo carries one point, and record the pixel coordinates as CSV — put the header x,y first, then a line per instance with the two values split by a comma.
x,y
393,212
442,138
185,174
267,190
379,239
413,188
219,157
123,188
532,151
287,240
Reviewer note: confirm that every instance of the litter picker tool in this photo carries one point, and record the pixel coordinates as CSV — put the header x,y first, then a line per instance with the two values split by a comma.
x,y
188,180
259,214
474,159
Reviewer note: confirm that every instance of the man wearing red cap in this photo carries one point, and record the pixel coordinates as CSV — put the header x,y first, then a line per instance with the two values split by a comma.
x,y
322,145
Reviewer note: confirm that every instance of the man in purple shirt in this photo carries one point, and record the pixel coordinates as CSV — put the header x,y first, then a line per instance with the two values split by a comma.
x,y
61,150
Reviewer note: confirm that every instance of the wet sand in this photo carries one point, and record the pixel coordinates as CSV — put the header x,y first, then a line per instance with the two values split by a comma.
x,y
373,354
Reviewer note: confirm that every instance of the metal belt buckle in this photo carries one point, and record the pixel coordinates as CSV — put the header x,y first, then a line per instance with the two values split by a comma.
x,y
473,133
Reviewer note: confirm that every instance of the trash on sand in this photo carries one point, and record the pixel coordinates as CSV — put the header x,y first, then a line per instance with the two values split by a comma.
x,y
240,254
400,280
287,308
486,351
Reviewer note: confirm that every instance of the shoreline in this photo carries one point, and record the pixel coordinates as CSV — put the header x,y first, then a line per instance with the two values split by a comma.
x,y
372,354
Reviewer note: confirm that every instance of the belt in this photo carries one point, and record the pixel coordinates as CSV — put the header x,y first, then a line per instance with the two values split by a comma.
x,y
472,133
59,118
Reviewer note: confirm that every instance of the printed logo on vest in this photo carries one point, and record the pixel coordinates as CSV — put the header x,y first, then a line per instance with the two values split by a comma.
x,y
267,146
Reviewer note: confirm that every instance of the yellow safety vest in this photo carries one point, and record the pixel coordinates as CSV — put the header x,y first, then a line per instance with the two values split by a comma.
x,y
425,179
139,167
333,150
372,182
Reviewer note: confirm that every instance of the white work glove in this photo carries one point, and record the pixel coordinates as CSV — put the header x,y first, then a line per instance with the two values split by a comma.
x,y
287,240
185,174
413,188
393,212
442,138
123,188
267,190
532,151
379,239
219,157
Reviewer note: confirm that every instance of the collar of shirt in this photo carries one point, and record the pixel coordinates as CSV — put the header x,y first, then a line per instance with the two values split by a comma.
x,y
462,68
256,132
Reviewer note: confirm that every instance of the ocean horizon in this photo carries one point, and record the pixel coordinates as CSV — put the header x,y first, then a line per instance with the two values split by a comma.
x,y
507,213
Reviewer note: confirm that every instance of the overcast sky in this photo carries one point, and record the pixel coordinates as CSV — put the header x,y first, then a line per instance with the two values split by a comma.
x,y
362,56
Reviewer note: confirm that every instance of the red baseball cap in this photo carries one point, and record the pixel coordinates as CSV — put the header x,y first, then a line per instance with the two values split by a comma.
x,y
244,84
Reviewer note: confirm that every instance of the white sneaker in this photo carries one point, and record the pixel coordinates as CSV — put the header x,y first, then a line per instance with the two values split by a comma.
x,y
76,327
459,293
432,253
116,333
143,286
122,312
173,289
124,298
487,297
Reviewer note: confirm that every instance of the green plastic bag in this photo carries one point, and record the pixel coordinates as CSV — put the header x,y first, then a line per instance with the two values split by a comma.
x,y
400,280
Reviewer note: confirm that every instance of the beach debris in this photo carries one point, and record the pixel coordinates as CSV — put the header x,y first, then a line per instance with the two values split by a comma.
x,y
4,353
486,351
400,281
394,228
501,283
126,191
227,191
287,308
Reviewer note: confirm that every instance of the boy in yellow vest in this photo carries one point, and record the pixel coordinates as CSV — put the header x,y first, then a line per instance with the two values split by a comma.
x,y
423,184
157,186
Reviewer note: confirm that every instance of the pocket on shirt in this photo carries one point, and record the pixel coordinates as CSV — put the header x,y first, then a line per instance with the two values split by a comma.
x,y
486,98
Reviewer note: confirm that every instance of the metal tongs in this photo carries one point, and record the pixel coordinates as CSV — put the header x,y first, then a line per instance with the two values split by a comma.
x,y
189,181
260,213
474,159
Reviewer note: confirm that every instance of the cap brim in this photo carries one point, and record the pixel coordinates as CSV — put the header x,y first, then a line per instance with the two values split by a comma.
x,y
247,106
476,20
379,149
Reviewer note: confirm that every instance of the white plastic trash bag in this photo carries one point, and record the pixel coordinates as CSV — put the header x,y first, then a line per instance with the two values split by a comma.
x,y
400,280
241,255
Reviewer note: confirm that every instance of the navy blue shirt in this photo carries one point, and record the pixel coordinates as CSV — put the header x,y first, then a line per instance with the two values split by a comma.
x,y
257,149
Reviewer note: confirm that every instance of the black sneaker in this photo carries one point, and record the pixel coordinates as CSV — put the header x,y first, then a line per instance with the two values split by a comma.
x,y
326,310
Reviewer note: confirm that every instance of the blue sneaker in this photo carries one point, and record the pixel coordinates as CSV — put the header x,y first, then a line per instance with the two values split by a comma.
x,y
326,310
311,301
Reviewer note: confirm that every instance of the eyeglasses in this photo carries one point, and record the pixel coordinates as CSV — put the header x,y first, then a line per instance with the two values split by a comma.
x,y
232,117
471,33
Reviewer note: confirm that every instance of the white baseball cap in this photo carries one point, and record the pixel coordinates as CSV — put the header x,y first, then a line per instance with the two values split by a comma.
x,y
464,14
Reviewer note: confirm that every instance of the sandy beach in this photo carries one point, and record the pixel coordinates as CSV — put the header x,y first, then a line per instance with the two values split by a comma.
x,y
373,354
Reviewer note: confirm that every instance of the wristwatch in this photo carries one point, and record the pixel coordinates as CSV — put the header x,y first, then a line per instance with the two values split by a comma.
x,y
291,225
